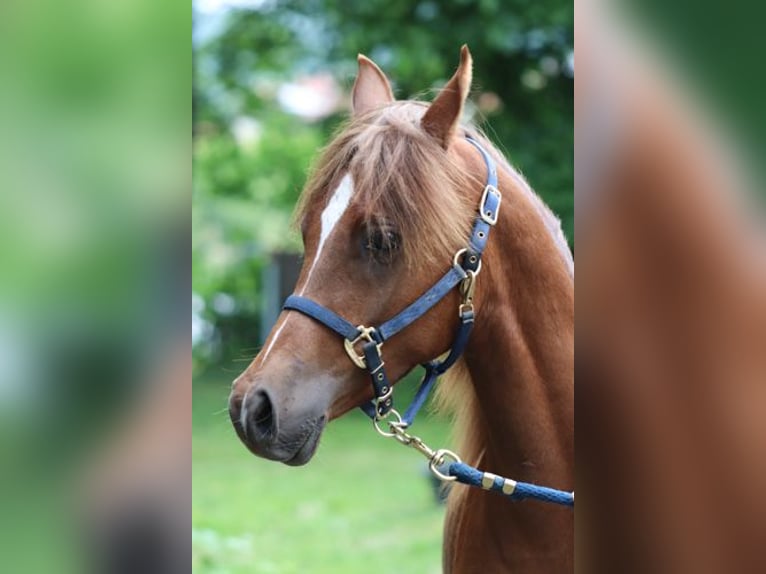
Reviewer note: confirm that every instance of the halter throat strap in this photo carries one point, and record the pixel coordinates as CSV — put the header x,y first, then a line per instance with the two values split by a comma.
x,y
465,268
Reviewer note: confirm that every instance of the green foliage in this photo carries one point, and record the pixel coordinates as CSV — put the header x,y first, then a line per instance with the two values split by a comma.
x,y
243,198
244,193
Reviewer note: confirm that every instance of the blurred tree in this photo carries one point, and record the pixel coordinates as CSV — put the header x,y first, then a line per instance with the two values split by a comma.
x,y
251,157
522,53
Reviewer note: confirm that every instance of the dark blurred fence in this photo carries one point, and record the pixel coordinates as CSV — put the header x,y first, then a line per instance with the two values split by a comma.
x,y
279,278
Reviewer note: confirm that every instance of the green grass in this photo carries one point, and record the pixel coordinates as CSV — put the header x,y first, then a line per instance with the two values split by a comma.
x,y
362,504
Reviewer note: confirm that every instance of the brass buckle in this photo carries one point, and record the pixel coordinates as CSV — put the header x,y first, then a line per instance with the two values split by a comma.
x,y
385,401
364,335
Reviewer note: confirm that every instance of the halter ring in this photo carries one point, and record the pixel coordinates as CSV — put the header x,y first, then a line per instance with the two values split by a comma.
x,y
395,424
458,255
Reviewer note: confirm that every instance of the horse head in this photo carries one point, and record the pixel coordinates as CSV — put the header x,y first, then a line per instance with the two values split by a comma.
x,y
390,202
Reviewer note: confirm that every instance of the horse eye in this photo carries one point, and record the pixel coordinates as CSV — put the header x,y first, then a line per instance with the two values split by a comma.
x,y
382,244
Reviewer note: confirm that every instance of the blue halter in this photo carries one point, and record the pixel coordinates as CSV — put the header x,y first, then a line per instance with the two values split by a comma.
x,y
465,268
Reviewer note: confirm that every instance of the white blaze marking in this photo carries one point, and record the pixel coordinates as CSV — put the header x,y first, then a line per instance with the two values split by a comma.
x,y
273,340
335,209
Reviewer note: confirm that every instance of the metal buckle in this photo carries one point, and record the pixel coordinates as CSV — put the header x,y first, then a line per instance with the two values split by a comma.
x,y
364,335
489,217
381,400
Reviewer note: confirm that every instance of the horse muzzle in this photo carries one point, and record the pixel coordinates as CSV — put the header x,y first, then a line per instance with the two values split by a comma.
x,y
269,432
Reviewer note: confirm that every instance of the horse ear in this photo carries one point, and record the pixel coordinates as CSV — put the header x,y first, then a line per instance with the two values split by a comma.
x,y
443,117
371,88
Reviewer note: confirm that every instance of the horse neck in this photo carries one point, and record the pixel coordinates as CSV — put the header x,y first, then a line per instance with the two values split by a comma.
x,y
520,358
517,415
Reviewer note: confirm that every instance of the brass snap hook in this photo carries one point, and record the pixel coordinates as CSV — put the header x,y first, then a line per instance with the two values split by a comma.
x,y
439,458
468,286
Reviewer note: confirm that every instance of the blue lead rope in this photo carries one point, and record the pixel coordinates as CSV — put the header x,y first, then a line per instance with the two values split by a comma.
x,y
514,490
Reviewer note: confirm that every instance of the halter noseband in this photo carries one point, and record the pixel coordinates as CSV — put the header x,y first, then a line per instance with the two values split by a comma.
x,y
465,268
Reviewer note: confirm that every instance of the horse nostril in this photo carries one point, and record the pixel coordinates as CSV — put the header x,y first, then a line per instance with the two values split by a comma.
x,y
261,421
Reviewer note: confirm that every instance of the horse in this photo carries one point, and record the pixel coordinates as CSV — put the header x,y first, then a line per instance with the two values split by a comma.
x,y
671,326
388,206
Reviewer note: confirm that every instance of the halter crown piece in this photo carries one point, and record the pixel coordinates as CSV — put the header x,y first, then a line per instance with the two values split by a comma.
x,y
466,266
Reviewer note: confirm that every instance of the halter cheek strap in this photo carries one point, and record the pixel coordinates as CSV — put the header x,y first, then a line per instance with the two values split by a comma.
x,y
465,268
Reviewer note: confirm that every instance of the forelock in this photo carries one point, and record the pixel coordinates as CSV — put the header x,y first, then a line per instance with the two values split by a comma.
x,y
401,177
